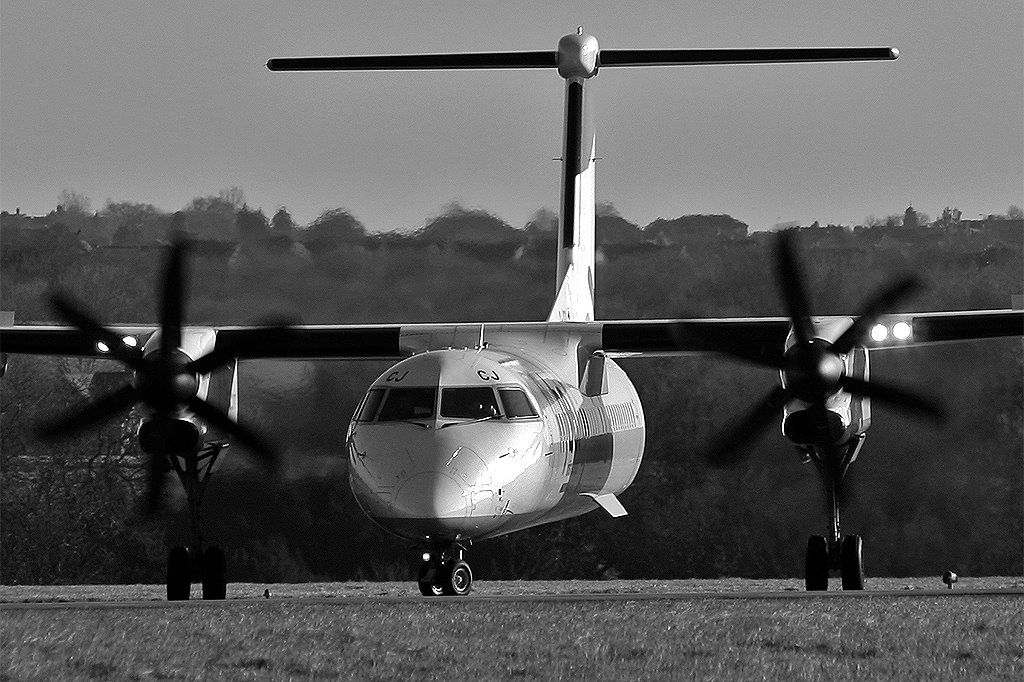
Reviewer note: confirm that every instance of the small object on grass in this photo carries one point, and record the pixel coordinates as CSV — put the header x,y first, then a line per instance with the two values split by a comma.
x,y
949,577
266,594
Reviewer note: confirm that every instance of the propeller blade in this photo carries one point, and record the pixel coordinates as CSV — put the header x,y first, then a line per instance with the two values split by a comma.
x,y
794,294
88,414
897,397
242,434
171,311
881,303
729,450
78,316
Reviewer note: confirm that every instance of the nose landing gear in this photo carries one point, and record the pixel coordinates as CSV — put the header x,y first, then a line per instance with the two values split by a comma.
x,y
444,572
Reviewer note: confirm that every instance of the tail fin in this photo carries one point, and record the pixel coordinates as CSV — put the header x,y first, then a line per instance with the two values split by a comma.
x,y
574,299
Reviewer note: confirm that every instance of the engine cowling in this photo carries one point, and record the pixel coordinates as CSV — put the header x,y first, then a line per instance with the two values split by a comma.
x,y
161,435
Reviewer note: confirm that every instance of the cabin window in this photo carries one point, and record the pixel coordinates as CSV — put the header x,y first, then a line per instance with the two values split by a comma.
x,y
468,403
408,403
368,410
516,404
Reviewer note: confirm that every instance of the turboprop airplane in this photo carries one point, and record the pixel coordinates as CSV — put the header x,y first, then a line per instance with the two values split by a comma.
x,y
484,429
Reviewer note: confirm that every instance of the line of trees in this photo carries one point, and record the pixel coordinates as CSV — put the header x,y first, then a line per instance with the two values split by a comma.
x,y
226,217
925,499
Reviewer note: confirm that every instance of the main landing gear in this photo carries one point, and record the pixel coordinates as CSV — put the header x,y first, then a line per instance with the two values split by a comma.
x,y
445,572
835,552
188,564
209,566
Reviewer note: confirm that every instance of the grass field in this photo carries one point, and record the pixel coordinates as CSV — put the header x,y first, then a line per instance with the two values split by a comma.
x,y
912,637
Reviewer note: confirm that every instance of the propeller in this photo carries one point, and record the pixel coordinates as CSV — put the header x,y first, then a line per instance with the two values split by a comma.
x,y
165,380
813,369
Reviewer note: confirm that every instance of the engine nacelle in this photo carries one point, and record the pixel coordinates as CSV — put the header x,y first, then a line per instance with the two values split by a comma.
x,y
160,435
801,427
219,387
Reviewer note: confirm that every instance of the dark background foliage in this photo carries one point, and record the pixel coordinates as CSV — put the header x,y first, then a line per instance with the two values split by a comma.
x,y
924,498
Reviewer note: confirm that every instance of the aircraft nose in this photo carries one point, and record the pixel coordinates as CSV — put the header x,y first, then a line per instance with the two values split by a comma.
x,y
432,495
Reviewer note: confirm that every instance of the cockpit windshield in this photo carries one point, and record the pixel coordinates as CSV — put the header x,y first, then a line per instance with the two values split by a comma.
x,y
459,402
469,403
368,410
516,404
408,403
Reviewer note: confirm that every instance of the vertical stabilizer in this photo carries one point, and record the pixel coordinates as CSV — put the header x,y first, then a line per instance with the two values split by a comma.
x,y
574,294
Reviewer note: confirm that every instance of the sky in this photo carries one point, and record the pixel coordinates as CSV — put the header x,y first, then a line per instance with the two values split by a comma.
x,y
163,102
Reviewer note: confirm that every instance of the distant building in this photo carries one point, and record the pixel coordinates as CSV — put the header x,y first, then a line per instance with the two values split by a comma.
x,y
997,229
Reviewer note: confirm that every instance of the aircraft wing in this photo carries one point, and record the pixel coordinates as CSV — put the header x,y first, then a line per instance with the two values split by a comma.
x,y
353,342
760,339
763,339
41,339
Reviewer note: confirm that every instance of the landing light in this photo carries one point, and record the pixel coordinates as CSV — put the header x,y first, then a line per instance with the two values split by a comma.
x,y
901,331
879,333
426,556
128,340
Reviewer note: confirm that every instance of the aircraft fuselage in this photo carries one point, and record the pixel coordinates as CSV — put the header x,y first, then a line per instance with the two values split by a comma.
x,y
457,445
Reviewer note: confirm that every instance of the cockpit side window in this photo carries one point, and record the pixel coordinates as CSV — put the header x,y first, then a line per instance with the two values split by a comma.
x,y
469,403
408,403
516,404
368,409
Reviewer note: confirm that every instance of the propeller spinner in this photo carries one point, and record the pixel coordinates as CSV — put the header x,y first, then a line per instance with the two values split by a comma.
x,y
166,380
812,368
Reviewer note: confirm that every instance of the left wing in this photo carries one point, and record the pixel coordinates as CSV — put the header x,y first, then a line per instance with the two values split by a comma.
x,y
352,342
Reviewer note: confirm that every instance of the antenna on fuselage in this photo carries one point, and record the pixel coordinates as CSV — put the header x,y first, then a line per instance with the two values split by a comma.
x,y
577,59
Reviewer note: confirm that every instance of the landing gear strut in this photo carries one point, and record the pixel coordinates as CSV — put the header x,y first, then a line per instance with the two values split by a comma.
x,y
445,572
835,552
185,564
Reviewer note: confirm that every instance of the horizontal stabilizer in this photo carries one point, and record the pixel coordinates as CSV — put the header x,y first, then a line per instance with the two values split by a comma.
x,y
466,60
609,503
549,59
769,55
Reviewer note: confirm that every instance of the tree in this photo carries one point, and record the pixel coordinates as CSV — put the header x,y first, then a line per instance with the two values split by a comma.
x,y
1014,212
458,224
689,228
233,196
542,220
73,210
177,230
333,227
251,224
910,218
212,217
70,201
950,219
282,222
133,223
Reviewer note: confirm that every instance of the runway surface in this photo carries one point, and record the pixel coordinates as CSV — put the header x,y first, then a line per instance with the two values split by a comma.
x,y
339,594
